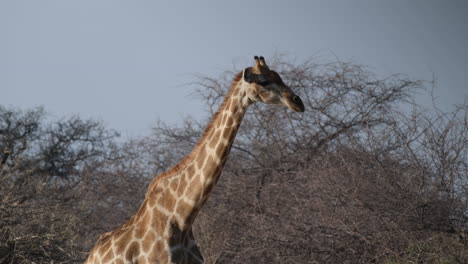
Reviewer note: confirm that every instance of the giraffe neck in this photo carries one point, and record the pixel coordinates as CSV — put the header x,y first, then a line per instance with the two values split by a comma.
x,y
207,159
180,192
213,149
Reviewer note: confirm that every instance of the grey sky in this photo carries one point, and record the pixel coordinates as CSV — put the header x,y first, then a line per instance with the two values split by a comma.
x,y
125,62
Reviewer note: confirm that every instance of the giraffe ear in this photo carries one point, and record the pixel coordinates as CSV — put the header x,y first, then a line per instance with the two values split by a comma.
x,y
249,76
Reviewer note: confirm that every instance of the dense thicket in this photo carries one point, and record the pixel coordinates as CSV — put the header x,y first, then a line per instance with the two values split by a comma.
x,y
364,175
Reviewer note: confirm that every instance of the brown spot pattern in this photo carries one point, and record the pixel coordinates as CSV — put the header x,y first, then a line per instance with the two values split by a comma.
x,y
234,107
183,209
148,241
140,231
158,250
215,139
219,150
226,133
193,190
145,220
229,122
167,201
132,251
201,157
108,256
123,241
160,222
210,165
190,170
182,185
174,185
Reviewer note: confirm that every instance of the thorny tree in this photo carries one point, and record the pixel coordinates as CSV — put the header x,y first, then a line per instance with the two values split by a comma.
x,y
355,179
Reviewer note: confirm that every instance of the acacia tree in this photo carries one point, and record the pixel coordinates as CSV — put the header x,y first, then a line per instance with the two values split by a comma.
x,y
353,179
41,166
18,130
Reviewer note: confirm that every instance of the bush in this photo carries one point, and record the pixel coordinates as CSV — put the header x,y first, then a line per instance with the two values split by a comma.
x,y
353,179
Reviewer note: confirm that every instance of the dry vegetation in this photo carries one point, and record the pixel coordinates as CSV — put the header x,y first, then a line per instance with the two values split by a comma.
x,y
352,180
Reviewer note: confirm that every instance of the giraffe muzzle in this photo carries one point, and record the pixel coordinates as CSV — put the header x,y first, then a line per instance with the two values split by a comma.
x,y
295,104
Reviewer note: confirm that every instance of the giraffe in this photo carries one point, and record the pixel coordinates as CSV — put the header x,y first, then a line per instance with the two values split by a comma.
x,y
161,230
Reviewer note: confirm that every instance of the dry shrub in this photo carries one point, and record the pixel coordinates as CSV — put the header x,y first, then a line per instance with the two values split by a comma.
x,y
352,180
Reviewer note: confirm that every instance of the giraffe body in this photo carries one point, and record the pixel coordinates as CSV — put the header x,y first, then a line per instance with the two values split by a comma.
x,y
161,230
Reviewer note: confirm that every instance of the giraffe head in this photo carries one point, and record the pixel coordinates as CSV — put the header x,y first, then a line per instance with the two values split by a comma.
x,y
265,85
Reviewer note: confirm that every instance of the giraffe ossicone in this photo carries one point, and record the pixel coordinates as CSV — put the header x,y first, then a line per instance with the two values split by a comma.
x,y
161,229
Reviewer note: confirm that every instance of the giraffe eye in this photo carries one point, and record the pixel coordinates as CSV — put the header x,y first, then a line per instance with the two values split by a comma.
x,y
264,83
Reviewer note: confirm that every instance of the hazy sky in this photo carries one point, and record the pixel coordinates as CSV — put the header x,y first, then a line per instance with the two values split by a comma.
x,y
126,62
